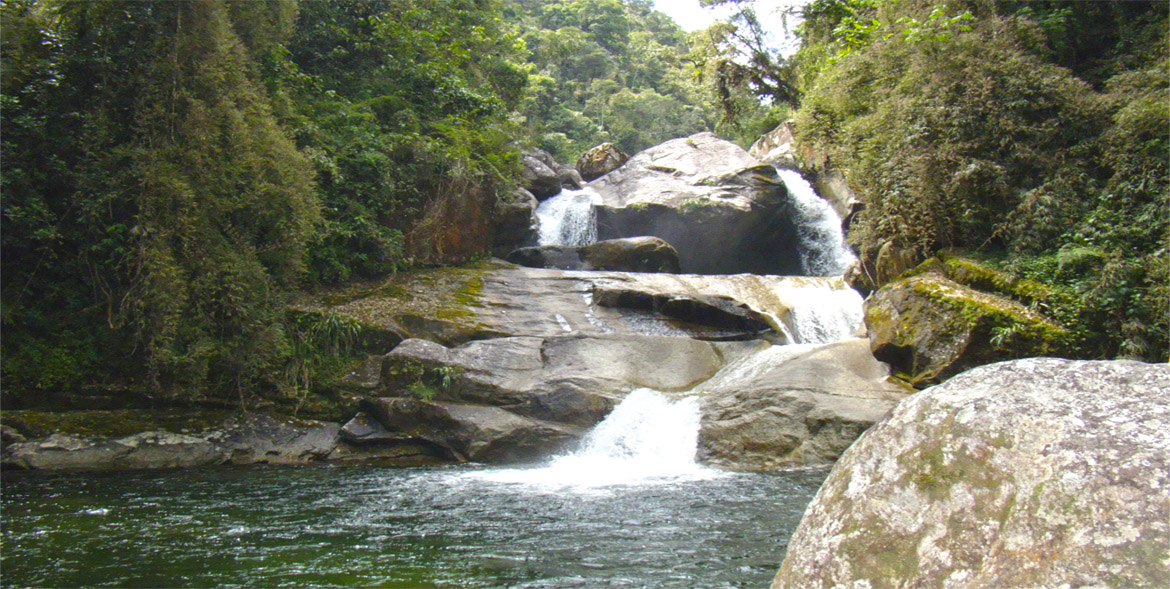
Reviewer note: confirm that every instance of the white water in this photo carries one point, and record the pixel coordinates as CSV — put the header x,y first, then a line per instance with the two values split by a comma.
x,y
647,439
568,218
823,251
821,315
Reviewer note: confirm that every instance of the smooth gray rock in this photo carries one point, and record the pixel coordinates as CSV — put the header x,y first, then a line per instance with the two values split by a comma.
x,y
723,210
506,300
632,254
569,379
795,405
146,450
477,433
1029,473
538,177
254,439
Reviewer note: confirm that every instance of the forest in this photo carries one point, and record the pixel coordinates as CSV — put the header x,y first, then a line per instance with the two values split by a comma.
x,y
175,173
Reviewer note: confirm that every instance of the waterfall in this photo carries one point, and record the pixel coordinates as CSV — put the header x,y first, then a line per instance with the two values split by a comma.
x,y
821,315
568,218
823,251
646,439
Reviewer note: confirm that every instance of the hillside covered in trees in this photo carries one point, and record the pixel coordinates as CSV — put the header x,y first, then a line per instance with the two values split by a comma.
x,y
174,172
1033,134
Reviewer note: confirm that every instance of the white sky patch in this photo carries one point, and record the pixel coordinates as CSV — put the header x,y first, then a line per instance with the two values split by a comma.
x,y
692,17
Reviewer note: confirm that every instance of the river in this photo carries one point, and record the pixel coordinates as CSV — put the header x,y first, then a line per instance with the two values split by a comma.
x,y
369,526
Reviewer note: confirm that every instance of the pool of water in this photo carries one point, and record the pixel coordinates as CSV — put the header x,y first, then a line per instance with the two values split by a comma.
x,y
464,526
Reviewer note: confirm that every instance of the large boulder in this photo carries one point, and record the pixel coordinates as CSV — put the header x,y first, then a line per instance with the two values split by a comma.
x,y
1029,473
929,327
723,210
600,160
538,177
764,406
477,433
569,379
794,405
632,254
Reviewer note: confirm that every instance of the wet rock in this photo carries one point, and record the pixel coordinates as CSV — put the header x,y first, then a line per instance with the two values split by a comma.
x,y
455,305
249,440
146,450
929,327
1030,473
721,312
472,432
262,439
9,435
600,160
794,405
634,254
723,210
570,379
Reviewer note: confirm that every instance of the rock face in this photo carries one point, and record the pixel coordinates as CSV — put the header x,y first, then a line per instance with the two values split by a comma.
x,y
793,405
777,148
634,254
600,160
930,327
515,222
723,210
1030,473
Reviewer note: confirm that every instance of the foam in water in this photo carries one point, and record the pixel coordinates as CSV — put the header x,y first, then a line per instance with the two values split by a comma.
x,y
647,439
568,218
823,251
821,315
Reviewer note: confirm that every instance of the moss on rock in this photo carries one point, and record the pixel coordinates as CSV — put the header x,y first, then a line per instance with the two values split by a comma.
x,y
939,320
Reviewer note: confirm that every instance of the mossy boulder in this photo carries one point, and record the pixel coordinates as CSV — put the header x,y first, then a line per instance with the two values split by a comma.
x,y
929,327
1039,472
600,161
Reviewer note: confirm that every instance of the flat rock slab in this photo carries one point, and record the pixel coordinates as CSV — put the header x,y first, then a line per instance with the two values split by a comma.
x,y
452,306
247,440
1029,473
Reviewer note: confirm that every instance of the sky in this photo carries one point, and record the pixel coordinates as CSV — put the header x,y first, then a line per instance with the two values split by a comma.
x,y
690,16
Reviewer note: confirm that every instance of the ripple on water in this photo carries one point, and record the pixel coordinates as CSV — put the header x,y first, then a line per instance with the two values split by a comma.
x,y
346,526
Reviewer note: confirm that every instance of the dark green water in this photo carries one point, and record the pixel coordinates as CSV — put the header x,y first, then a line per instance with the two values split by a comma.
x,y
366,526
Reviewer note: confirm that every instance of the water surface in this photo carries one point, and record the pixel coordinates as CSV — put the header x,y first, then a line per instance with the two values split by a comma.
x,y
421,527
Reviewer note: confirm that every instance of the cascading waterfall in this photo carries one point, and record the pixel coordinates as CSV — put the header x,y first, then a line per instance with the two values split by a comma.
x,y
823,251
647,439
821,315
568,218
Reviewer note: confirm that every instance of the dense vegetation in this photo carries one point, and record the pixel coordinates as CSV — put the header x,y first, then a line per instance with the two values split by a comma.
x,y
174,170
1030,133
